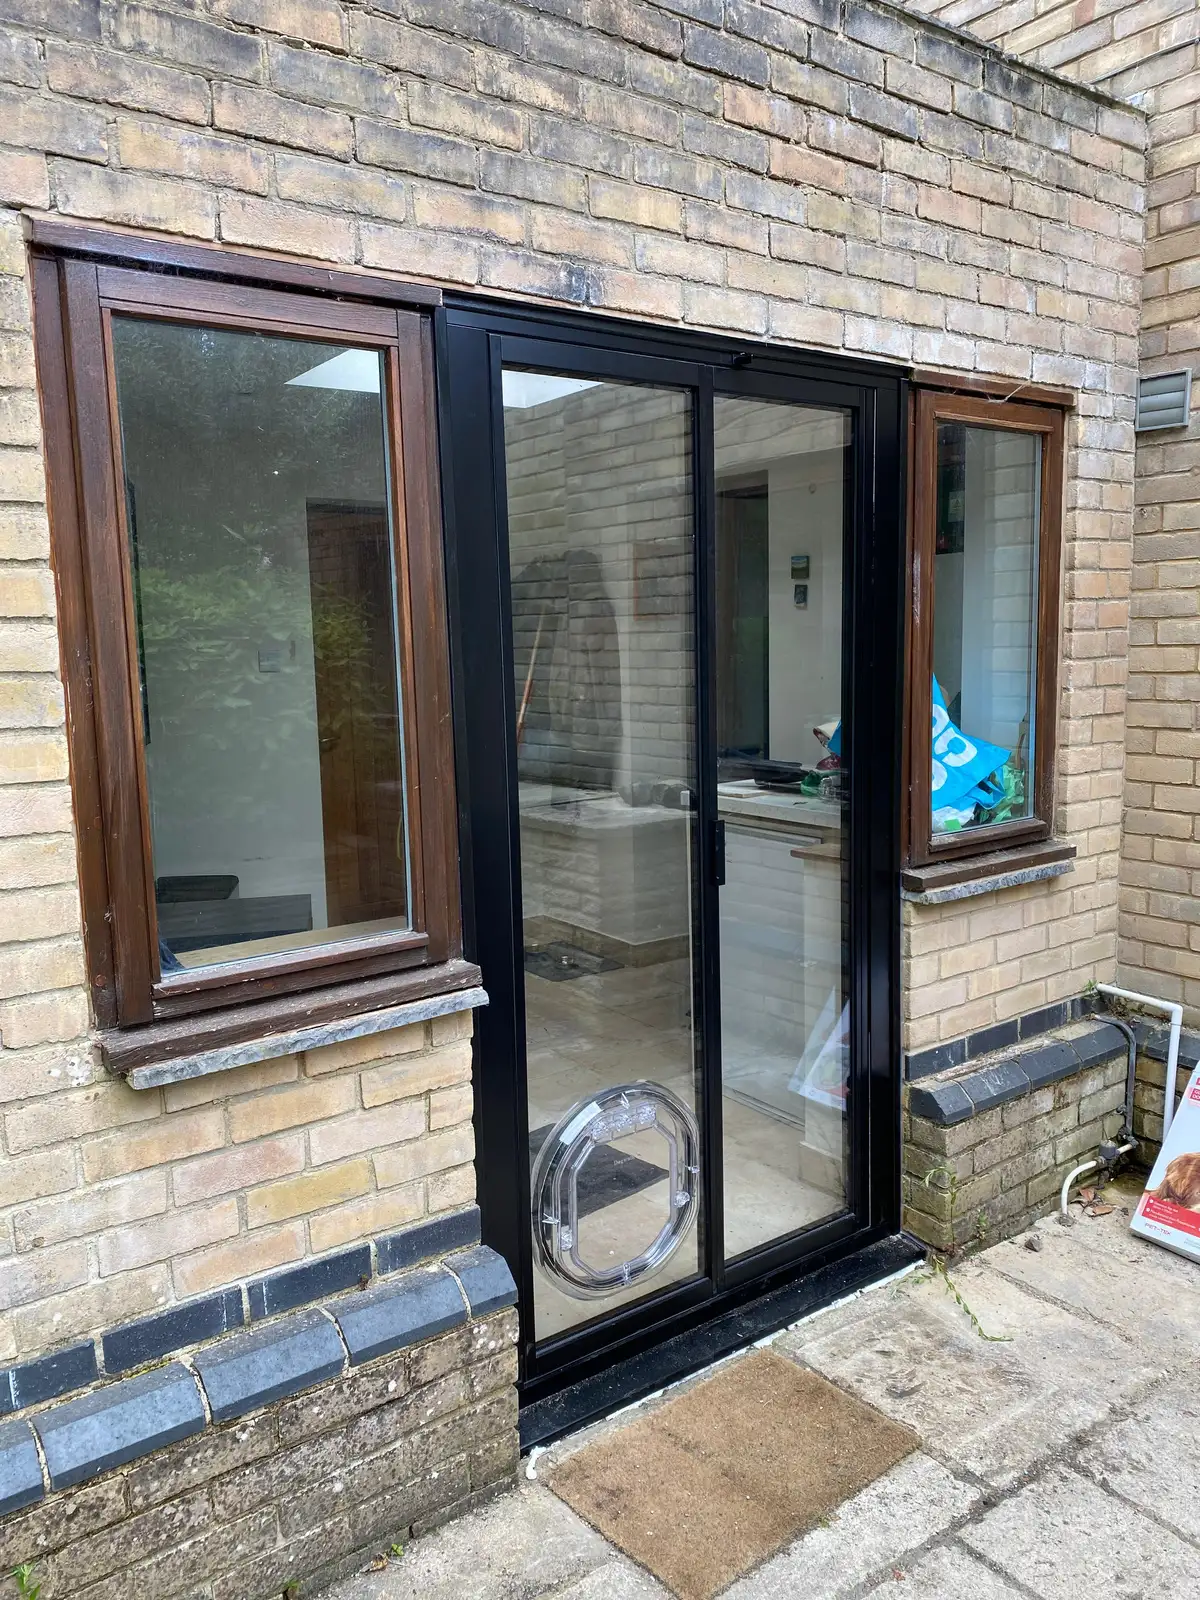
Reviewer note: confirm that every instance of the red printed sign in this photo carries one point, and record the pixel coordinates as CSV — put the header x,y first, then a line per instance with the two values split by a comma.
x,y
1169,1211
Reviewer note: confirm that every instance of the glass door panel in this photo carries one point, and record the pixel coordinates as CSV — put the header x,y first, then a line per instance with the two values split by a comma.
x,y
601,562
783,805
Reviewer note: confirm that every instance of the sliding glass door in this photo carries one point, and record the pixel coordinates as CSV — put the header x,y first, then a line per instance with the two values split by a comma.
x,y
668,663
782,478
601,560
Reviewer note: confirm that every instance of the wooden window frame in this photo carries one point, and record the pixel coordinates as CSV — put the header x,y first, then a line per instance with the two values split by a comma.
x,y
929,407
80,280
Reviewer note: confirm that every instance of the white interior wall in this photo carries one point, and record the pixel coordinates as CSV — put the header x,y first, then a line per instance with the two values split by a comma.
x,y
805,503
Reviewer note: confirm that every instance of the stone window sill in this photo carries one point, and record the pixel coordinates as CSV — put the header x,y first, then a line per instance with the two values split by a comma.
x,y
1001,869
193,1047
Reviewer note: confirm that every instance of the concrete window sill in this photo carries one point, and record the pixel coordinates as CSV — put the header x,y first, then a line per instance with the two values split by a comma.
x,y
1001,869
177,1068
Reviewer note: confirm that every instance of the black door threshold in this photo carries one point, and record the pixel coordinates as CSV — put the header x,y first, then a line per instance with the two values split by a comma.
x,y
628,1380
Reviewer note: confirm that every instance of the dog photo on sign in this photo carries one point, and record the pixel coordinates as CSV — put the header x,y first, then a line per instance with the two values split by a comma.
x,y
1169,1210
1180,1185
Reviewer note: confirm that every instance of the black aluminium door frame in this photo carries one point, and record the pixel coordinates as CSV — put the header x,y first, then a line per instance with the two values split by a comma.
x,y
472,338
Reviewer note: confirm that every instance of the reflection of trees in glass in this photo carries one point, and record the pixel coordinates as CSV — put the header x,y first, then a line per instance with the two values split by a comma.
x,y
206,612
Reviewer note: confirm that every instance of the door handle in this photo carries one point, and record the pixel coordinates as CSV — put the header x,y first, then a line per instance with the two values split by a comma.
x,y
718,854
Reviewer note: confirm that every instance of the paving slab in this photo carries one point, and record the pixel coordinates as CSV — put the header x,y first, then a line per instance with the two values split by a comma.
x,y
899,1512
1148,1295
1153,1457
992,1407
947,1573
616,1580
520,1546
1063,1536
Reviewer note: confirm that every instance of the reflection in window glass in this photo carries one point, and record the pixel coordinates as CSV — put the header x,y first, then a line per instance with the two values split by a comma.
x,y
265,600
984,625
782,798
601,555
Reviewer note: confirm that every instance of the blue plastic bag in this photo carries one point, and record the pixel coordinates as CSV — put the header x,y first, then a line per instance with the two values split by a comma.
x,y
962,767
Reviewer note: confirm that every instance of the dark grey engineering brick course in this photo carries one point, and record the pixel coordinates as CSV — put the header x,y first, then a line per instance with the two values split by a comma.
x,y
1002,1081
427,1239
135,1344
300,1286
48,1377
941,1057
249,1371
244,1372
138,1343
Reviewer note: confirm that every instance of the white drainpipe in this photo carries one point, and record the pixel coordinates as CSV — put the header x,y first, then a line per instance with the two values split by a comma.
x,y
1175,1012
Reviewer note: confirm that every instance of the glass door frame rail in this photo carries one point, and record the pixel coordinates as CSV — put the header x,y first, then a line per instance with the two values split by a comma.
x,y
474,340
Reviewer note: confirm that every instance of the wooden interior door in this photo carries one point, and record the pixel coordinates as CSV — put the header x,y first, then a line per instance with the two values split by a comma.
x,y
358,718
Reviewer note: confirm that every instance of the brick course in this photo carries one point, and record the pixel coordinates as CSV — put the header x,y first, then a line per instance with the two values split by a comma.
x,y
996,1172
301,1492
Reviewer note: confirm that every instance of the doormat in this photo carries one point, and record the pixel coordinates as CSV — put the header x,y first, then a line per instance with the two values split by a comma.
x,y
608,1174
559,962
711,1484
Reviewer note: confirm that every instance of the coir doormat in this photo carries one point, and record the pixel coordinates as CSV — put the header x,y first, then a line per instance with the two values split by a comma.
x,y
712,1483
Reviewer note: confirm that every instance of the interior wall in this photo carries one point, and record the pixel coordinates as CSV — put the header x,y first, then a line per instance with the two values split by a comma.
x,y
803,452
805,498
985,603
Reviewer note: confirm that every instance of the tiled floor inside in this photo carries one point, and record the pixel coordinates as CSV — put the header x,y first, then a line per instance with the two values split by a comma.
x,y
1061,1457
616,1027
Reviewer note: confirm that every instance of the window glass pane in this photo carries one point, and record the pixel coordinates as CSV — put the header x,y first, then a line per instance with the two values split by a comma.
x,y
782,798
256,484
601,555
985,570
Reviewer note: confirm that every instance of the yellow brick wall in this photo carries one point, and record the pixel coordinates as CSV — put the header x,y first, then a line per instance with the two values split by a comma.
x,y
117,1202
837,176
1149,55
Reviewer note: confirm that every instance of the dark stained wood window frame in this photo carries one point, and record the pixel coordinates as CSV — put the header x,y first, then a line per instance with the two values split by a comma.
x,y
981,406
81,278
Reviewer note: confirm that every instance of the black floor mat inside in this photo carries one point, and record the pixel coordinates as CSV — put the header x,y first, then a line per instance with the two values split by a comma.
x,y
559,962
608,1175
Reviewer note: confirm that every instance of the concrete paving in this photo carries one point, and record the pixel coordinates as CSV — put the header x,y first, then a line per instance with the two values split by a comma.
x,y
1059,1456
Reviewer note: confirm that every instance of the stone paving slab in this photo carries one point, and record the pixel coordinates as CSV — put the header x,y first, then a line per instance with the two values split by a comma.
x,y
994,1408
616,1580
1152,1458
948,1573
1065,1460
518,1547
1063,1536
897,1513
1097,1267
